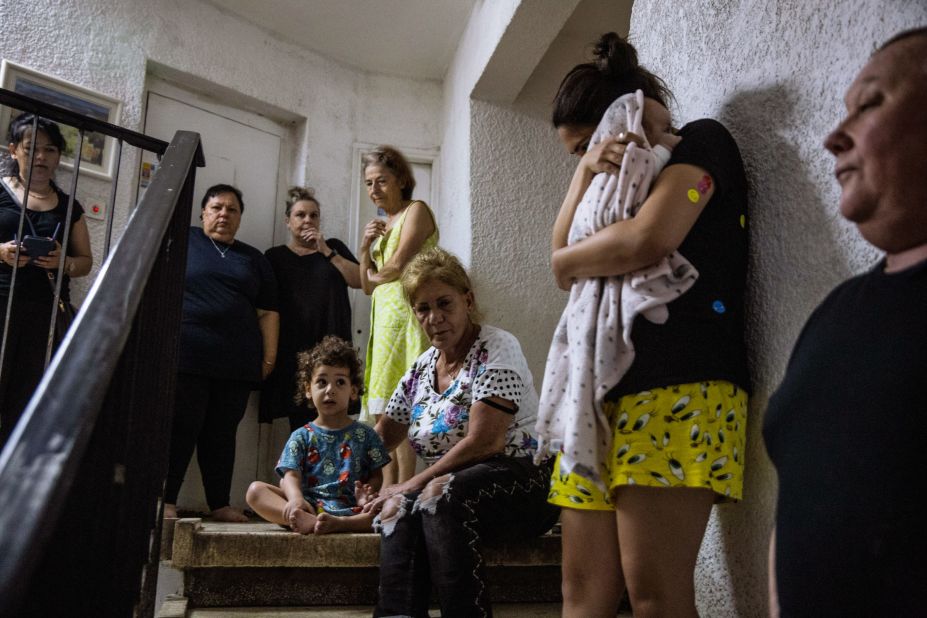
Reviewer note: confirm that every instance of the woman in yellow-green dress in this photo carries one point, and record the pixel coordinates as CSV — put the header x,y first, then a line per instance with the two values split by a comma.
x,y
396,339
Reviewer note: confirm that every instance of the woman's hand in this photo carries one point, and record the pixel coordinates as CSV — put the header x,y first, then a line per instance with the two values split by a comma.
x,y
606,156
313,236
375,505
51,260
372,231
8,254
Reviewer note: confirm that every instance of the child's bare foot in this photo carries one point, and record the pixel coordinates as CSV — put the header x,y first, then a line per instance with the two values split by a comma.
x,y
303,522
170,511
230,515
326,524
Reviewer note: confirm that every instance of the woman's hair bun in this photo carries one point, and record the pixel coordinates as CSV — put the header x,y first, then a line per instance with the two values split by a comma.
x,y
301,193
614,55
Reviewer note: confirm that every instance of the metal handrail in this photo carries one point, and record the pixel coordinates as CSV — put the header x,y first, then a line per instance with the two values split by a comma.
x,y
37,467
66,116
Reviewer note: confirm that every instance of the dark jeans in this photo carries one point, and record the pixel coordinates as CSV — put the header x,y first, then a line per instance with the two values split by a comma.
x,y
24,359
502,499
206,416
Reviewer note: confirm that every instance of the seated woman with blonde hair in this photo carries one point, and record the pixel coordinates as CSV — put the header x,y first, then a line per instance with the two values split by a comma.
x,y
468,407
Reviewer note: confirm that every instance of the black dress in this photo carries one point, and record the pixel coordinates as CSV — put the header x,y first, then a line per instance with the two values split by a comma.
x,y
24,362
313,303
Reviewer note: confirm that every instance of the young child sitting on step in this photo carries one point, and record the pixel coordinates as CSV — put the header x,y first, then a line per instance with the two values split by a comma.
x,y
330,467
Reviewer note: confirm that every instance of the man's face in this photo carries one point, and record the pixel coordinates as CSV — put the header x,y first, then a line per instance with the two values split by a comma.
x,y
881,148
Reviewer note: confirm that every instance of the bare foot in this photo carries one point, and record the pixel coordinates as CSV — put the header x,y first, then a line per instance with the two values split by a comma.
x,y
170,511
326,524
302,522
230,515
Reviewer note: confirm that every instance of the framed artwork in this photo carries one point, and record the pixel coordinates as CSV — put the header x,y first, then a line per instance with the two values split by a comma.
x,y
98,153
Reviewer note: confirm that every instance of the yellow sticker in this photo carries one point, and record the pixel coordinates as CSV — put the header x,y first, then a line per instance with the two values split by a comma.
x,y
743,221
693,196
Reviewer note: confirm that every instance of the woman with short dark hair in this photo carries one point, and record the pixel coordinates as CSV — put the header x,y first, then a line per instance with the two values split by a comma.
x,y
846,428
228,345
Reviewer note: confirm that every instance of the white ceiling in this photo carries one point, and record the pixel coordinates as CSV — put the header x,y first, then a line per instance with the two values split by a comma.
x,y
412,38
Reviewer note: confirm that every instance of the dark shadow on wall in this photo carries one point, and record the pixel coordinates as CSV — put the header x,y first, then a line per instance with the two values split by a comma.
x,y
794,260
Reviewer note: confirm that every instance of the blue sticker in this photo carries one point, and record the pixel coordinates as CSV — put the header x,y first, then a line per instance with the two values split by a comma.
x,y
718,306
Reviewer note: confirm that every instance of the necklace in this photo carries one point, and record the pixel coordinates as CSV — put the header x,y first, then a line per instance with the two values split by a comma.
x,y
452,369
221,252
32,193
448,372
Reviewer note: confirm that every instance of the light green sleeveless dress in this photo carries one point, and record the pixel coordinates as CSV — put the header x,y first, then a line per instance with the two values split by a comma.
x,y
396,338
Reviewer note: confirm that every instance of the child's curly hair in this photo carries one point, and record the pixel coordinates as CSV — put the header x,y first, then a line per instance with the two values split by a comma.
x,y
334,352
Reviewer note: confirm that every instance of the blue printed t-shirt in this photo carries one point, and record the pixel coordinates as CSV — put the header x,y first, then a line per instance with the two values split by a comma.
x,y
329,461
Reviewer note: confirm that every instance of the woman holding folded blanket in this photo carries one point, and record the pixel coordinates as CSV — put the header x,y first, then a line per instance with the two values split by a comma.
x,y
674,423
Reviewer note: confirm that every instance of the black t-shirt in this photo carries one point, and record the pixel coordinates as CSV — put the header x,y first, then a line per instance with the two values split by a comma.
x,y
313,303
32,281
847,430
703,339
220,337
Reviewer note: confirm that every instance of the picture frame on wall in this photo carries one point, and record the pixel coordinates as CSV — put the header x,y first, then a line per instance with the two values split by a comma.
x,y
98,156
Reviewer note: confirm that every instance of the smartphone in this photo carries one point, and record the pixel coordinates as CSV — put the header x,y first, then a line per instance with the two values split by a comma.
x,y
37,246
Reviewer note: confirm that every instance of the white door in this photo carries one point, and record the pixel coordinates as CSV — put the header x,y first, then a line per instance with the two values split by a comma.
x,y
363,211
241,149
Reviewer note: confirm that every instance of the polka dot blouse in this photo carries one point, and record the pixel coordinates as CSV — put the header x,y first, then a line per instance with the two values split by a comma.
x,y
494,367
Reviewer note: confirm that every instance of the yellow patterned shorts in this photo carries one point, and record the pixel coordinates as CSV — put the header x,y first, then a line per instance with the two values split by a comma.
x,y
689,435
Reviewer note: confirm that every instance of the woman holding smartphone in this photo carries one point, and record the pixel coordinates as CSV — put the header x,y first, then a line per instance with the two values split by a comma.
x,y
25,330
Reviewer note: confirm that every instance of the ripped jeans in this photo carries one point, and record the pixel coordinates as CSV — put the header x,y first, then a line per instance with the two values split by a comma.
x,y
436,536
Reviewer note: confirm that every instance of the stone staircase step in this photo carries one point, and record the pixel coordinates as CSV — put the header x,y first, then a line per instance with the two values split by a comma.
x,y
261,564
500,610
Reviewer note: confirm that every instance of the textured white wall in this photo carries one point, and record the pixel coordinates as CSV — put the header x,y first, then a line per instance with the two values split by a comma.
x,y
108,45
485,27
519,174
775,73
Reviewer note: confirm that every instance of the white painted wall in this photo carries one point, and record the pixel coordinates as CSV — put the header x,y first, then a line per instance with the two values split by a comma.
x,y
110,45
486,25
775,73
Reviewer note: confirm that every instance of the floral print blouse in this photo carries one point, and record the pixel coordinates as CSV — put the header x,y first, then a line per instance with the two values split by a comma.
x,y
494,367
